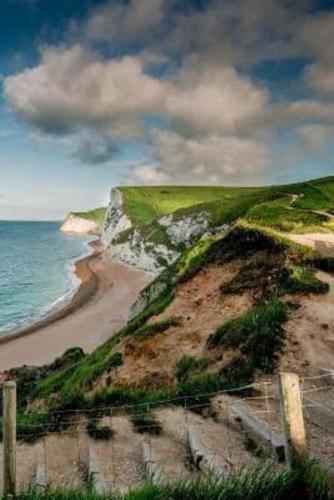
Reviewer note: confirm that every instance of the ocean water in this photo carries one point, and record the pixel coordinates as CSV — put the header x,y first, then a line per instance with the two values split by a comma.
x,y
36,270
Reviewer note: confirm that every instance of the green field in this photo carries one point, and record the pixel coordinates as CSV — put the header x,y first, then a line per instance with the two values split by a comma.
x,y
144,204
292,208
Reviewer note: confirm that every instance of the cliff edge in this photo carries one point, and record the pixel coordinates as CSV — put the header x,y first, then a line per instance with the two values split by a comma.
x,y
84,222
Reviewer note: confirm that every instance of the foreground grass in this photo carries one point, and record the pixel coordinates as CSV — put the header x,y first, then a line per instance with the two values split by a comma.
x,y
265,483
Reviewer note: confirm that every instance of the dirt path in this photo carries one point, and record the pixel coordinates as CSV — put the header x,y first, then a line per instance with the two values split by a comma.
x,y
310,331
322,242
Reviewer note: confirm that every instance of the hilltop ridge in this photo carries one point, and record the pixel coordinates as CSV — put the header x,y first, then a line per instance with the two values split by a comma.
x,y
150,227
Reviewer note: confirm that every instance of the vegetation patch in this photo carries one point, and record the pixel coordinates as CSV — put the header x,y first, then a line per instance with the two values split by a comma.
x,y
144,204
282,218
259,335
152,329
188,365
302,279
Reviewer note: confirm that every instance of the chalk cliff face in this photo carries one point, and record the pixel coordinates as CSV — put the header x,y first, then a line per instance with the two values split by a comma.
x,y
78,225
154,246
116,221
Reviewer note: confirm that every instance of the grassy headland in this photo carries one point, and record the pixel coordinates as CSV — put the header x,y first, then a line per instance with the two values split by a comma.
x,y
97,215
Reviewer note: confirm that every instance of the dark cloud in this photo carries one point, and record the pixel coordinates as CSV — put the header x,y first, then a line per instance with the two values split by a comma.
x,y
95,151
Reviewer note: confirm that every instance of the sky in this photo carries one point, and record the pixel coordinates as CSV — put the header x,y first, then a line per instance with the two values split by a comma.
x,y
98,93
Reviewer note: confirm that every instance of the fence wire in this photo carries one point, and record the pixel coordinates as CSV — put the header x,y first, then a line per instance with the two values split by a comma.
x,y
169,439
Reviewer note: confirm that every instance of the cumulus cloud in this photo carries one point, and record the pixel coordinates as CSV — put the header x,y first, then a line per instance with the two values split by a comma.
x,y
209,159
214,97
316,137
95,150
220,121
318,37
144,174
74,87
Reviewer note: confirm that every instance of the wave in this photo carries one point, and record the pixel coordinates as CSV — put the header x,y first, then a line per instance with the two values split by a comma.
x,y
74,283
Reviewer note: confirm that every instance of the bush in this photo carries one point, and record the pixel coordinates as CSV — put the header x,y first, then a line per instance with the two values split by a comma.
x,y
188,364
301,279
258,334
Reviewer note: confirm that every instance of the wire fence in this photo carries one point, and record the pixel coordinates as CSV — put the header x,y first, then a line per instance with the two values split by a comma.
x,y
119,447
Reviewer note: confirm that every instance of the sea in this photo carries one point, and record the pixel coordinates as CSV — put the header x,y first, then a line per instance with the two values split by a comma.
x,y
36,270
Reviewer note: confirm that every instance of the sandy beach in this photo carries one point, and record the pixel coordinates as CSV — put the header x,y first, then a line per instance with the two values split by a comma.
x,y
97,310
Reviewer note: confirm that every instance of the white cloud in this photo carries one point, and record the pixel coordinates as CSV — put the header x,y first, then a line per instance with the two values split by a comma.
x,y
316,137
73,87
209,159
146,175
219,119
210,97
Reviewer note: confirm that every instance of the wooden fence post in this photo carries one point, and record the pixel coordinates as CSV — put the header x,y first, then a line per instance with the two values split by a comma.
x,y
9,439
292,419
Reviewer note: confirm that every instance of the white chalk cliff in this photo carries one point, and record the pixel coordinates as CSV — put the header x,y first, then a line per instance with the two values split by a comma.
x,y
78,225
152,247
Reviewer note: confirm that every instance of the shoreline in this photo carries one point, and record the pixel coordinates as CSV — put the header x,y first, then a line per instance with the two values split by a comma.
x,y
97,311
87,288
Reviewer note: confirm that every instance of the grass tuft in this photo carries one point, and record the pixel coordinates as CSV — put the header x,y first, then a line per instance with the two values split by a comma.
x,y
152,329
258,334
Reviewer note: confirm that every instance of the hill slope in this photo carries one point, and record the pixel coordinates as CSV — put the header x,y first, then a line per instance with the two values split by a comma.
x,y
214,320
149,227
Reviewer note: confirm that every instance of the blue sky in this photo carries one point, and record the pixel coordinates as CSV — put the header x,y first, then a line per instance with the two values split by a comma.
x,y
99,93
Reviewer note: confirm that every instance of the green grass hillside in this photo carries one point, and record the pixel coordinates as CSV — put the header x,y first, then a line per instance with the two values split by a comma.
x,y
97,215
300,207
143,204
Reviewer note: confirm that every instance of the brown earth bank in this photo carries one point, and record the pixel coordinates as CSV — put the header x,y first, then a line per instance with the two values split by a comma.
x,y
199,308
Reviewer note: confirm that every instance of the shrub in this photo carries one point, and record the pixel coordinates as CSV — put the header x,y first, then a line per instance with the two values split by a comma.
x,y
301,279
188,364
258,334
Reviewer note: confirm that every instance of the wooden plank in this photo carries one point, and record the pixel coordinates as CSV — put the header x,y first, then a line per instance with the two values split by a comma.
x,y
152,469
9,439
202,458
258,430
292,419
